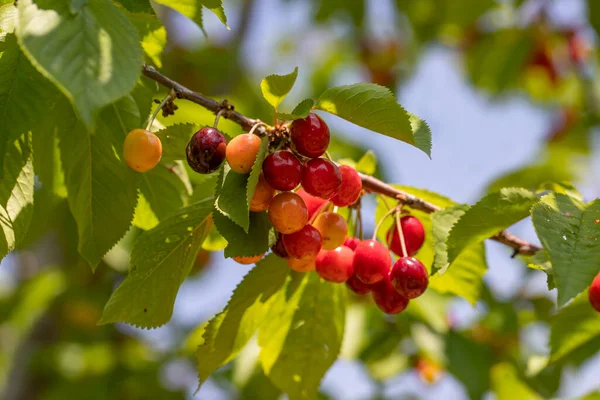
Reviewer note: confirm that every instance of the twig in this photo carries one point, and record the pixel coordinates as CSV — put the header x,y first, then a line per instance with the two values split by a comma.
x,y
370,184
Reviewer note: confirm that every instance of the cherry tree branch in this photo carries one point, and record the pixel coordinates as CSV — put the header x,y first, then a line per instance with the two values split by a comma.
x,y
370,183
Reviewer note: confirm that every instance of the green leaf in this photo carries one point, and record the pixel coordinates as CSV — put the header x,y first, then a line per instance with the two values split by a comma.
x,y
594,15
233,187
153,34
257,241
160,261
8,18
102,190
492,214
368,163
193,9
47,164
572,328
174,140
144,218
230,330
94,57
470,362
256,170
164,190
16,195
137,6
563,188
568,229
25,95
374,107
302,335
301,111
507,385
276,87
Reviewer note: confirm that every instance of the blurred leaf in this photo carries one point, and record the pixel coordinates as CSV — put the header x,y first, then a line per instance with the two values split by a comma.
x,y
367,163
137,6
160,261
541,261
259,387
257,241
214,241
8,18
230,330
144,218
164,189
532,177
152,33
302,335
507,385
174,140
568,230
301,111
492,214
276,87
470,362
594,15
193,9
563,188
374,107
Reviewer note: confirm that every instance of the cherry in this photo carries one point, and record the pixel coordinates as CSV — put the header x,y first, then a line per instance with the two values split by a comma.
x,y
262,195
352,242
242,151
321,178
335,265
313,204
594,293
372,261
304,244
206,150
142,150
409,277
282,170
357,286
387,299
333,229
414,236
288,213
310,136
278,248
301,265
351,187
245,260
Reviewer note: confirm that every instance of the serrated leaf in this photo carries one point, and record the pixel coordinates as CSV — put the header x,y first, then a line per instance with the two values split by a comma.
x,y
573,327
492,214
160,261
94,57
276,87
25,95
174,140
374,107
255,242
301,111
232,189
302,335
164,190
143,216
256,170
561,187
193,9
153,35
507,385
229,331
367,163
102,190
568,229
16,195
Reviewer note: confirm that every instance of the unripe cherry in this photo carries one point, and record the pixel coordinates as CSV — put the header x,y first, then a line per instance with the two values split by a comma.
x,y
387,299
245,260
310,136
301,265
414,236
287,213
372,261
241,152
142,150
409,277
304,244
283,170
263,195
206,150
321,178
594,293
349,191
335,265
333,229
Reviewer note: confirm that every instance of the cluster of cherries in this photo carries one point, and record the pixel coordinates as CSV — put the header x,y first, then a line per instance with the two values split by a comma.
x,y
297,187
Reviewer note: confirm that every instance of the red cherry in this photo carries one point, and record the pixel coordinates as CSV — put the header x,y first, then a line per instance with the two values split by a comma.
x,y
350,189
278,248
282,170
372,261
594,293
310,136
409,277
335,265
206,150
357,286
352,242
414,236
321,178
313,204
387,299
304,244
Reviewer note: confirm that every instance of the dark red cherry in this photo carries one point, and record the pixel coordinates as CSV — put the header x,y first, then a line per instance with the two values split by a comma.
x,y
310,136
321,178
350,189
357,286
313,204
594,293
372,261
282,170
278,248
304,244
206,150
335,265
352,242
414,236
409,277
387,299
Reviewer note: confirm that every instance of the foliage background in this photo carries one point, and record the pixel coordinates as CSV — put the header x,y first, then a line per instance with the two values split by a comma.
x,y
484,129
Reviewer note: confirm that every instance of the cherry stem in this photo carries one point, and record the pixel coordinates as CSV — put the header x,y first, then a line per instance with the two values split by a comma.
x,y
328,156
400,232
221,111
254,127
318,212
359,219
160,106
387,214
